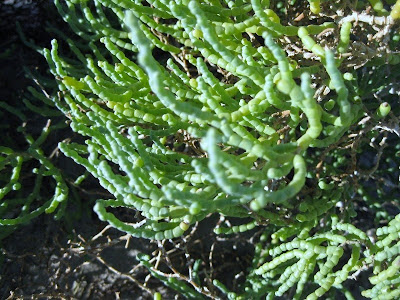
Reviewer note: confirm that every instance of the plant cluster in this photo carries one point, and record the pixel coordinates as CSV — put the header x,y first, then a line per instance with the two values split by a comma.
x,y
266,111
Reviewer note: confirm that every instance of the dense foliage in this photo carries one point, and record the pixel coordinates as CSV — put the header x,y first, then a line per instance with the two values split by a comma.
x,y
283,114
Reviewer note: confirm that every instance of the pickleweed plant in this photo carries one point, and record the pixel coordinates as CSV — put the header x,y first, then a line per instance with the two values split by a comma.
x,y
30,183
192,108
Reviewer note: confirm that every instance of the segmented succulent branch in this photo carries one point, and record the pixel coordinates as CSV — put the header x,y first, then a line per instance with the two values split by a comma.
x,y
156,103
18,203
